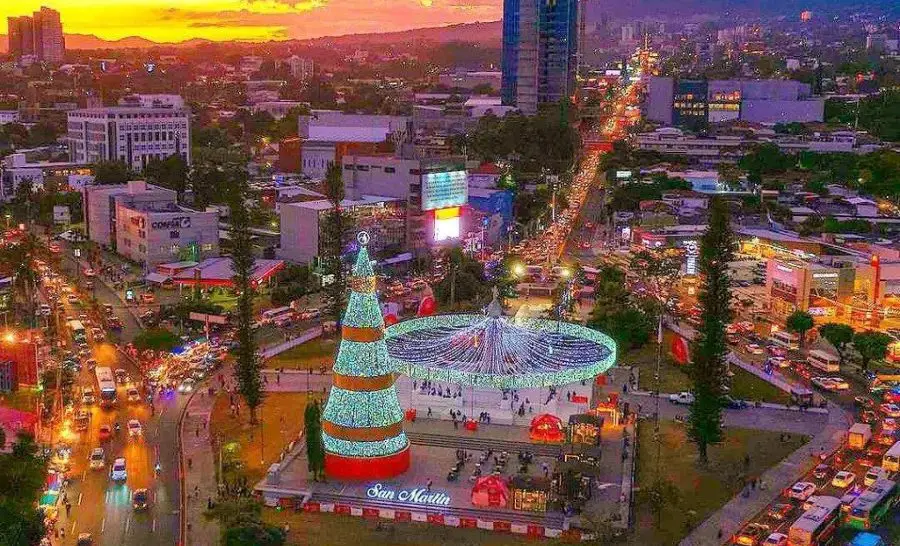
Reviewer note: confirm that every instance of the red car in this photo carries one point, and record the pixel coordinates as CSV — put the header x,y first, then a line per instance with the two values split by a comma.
x,y
891,397
105,432
886,439
803,371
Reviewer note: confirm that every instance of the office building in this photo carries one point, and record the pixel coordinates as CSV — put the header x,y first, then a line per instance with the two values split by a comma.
x,y
144,223
134,135
301,69
435,191
40,36
696,103
540,52
329,134
304,233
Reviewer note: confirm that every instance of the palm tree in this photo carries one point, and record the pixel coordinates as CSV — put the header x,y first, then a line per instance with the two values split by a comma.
x,y
18,261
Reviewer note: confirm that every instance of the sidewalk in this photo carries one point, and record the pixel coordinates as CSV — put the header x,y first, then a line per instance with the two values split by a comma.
x,y
198,471
729,519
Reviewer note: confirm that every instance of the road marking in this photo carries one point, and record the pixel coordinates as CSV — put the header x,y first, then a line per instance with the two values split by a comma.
x,y
153,526
80,495
103,525
72,532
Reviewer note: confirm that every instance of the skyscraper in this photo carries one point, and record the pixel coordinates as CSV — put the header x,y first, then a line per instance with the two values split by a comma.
x,y
40,35
540,52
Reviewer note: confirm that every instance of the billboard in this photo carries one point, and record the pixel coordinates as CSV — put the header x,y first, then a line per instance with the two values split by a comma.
x,y
446,189
446,224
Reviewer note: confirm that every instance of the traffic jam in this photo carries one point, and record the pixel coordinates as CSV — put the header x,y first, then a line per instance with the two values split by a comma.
x,y
845,495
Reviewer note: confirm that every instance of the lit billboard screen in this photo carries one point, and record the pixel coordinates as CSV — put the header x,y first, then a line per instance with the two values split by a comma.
x,y
442,190
446,224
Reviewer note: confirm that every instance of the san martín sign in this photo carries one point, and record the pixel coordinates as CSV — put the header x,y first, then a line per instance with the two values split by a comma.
x,y
419,495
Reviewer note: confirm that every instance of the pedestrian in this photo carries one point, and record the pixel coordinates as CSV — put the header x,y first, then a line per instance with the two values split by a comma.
x,y
278,379
753,484
428,485
190,462
197,432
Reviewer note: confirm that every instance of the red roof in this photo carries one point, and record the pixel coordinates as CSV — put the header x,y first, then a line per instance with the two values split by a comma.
x,y
487,168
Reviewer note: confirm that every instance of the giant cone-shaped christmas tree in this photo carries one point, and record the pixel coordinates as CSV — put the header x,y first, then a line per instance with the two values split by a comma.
x,y
363,424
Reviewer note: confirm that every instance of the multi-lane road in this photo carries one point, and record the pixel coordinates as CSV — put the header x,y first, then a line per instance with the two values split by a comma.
x,y
100,506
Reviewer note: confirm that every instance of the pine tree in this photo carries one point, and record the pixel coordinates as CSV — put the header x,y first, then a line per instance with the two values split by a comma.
x,y
708,367
315,449
247,363
336,223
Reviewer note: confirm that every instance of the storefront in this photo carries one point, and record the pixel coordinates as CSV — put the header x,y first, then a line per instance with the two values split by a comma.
x,y
585,428
530,493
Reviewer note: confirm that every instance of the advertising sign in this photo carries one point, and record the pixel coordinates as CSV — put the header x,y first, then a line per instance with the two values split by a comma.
x,y
442,190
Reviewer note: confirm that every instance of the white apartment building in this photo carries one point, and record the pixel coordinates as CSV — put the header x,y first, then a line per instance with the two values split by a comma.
x,y
134,135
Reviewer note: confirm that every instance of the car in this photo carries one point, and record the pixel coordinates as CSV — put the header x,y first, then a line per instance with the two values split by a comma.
x,y
848,498
866,402
187,385
732,339
776,539
82,420
133,395
135,428
683,397
873,474
753,349
104,432
867,460
140,499
780,511
891,397
84,539
752,534
734,403
802,370
840,383
888,425
72,298
118,472
97,458
891,410
776,351
801,490
821,471
823,383
120,374
843,479
91,363
778,361
87,396
147,298
886,439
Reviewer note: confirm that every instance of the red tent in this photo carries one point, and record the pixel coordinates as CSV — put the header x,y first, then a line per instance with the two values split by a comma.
x,y
490,491
547,428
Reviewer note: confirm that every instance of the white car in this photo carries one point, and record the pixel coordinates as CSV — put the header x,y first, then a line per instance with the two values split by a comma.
x,y
97,458
118,472
874,474
87,397
843,479
823,383
839,383
135,428
186,386
133,395
682,398
776,539
754,349
801,490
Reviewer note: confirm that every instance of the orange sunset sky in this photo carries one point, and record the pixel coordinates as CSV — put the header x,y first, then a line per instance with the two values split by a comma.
x,y
178,20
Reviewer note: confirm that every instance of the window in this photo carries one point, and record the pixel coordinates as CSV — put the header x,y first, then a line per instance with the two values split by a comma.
x,y
390,170
348,167
174,234
207,246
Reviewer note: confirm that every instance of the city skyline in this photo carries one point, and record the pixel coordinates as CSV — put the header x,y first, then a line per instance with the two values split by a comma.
x,y
255,20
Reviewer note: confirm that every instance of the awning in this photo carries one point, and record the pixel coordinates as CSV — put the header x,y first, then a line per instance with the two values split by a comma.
x,y
157,278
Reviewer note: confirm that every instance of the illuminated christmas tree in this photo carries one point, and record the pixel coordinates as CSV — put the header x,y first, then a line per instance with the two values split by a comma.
x,y
362,426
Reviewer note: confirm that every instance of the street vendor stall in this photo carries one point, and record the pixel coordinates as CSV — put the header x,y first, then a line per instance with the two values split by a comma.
x,y
584,428
490,491
530,493
546,428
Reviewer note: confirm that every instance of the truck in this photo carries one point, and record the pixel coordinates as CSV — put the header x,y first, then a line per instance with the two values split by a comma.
x,y
682,398
858,436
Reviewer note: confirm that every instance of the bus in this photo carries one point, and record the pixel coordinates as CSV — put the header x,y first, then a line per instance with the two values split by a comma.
x,y
891,459
821,360
788,340
278,314
106,383
817,525
872,505
77,329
